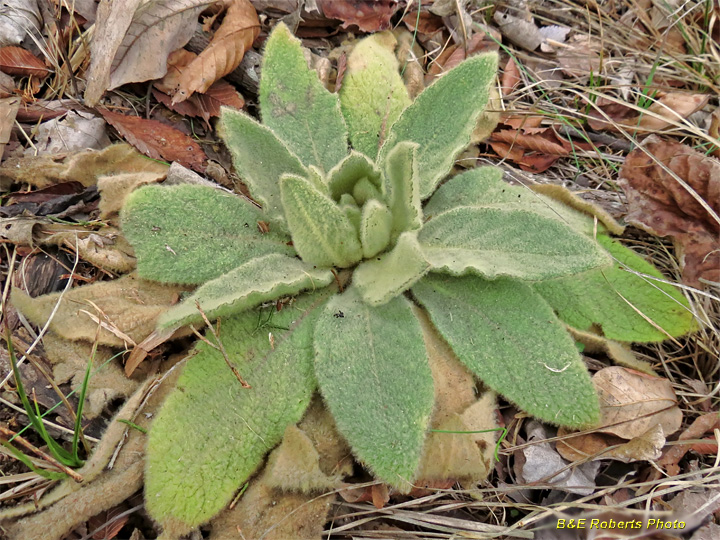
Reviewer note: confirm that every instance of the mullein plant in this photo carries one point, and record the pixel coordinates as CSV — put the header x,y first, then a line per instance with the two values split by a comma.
x,y
365,241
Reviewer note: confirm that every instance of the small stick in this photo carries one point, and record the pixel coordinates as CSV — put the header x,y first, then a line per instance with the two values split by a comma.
x,y
220,347
47,457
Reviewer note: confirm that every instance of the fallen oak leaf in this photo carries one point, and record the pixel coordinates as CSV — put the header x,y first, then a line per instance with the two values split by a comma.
x,y
19,61
156,140
233,38
662,206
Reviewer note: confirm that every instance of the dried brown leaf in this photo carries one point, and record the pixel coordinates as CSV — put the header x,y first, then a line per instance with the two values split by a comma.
x,y
593,446
273,514
543,143
455,456
106,249
235,35
510,77
632,402
108,523
114,189
156,140
661,205
70,360
580,57
133,39
523,33
453,55
428,23
701,425
206,105
84,167
8,111
671,108
18,61
128,304
367,16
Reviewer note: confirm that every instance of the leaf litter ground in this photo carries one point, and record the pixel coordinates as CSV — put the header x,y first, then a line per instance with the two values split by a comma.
x,y
580,88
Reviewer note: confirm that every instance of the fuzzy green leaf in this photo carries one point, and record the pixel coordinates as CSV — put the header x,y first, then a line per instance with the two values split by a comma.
x,y
297,107
441,119
596,298
322,234
510,338
257,281
364,190
496,242
484,186
343,177
372,368
211,433
191,234
381,280
351,210
375,228
260,158
402,186
373,94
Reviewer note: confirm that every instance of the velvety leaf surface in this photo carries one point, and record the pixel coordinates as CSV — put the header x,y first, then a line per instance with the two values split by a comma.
x,y
375,226
191,234
373,371
484,186
260,158
296,105
380,280
596,298
343,177
507,242
510,338
211,433
402,177
373,94
441,119
258,280
321,232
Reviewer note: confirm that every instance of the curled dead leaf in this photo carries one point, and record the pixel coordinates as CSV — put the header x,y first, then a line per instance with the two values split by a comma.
x,y
632,402
663,206
667,110
126,306
232,39
593,446
84,167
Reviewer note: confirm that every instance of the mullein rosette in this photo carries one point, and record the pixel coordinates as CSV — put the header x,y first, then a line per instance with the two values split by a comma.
x,y
501,272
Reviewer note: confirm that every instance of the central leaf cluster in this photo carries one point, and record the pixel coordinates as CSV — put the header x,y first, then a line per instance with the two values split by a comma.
x,y
488,264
